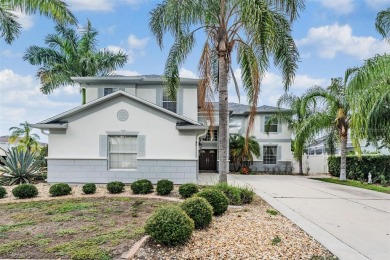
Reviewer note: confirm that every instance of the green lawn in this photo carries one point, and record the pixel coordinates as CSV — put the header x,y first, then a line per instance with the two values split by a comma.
x,y
358,184
83,228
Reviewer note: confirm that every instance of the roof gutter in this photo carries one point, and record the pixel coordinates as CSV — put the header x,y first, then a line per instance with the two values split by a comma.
x,y
49,126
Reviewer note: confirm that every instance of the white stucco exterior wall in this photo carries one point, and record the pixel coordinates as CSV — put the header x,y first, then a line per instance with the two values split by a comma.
x,y
161,137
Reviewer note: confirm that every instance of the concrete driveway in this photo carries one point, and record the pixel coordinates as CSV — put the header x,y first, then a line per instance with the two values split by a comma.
x,y
352,223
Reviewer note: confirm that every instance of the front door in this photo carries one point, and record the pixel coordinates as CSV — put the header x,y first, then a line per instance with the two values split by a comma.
x,y
208,160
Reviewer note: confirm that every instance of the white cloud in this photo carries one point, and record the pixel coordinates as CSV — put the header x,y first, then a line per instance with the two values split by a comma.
x,y
377,4
184,73
25,20
21,100
339,6
329,40
10,54
272,87
127,73
90,5
136,43
116,49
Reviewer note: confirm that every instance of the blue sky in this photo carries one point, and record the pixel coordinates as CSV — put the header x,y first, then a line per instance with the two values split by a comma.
x,y
332,35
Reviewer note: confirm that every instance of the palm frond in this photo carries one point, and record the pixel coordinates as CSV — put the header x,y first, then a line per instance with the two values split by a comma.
x,y
9,26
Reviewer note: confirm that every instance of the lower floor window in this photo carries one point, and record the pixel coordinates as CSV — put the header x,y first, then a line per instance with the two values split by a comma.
x,y
270,154
122,152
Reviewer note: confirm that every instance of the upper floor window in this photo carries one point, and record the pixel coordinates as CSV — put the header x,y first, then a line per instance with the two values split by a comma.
x,y
270,154
209,137
122,152
273,127
108,91
168,103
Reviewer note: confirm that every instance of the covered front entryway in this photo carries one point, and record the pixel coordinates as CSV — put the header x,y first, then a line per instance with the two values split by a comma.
x,y
208,160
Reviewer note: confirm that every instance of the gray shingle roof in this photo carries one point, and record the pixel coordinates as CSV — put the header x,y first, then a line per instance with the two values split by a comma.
x,y
240,109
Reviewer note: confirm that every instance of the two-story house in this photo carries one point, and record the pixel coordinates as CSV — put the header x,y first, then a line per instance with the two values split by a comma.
x,y
129,129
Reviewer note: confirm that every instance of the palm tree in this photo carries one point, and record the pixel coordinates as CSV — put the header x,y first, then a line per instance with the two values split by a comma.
x,y
369,92
255,29
293,117
71,55
333,115
27,140
239,154
9,25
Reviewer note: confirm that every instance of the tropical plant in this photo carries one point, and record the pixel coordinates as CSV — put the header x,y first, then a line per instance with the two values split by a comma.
x,y
72,55
255,29
241,154
9,24
332,115
293,117
19,167
369,93
26,140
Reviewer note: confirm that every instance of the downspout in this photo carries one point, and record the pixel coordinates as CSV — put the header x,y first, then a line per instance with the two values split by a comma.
x,y
197,150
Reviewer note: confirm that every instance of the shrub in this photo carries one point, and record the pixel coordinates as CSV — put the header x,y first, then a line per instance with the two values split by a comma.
x,y
188,189
164,187
170,225
232,193
217,199
60,189
89,188
199,210
358,168
247,195
115,187
19,167
24,191
142,187
3,192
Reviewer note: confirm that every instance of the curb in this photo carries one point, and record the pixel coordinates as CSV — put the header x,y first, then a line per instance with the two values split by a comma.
x,y
134,249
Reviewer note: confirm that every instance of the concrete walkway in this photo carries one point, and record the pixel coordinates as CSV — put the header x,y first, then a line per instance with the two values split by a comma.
x,y
352,223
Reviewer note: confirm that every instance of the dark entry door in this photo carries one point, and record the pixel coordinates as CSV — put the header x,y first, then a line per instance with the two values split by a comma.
x,y
208,160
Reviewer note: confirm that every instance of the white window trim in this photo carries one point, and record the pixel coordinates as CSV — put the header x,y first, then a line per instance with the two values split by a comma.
x,y
109,153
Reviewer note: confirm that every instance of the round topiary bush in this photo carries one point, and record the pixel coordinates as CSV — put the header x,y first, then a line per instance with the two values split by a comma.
x,y
3,192
188,189
115,187
142,187
60,189
164,187
24,191
217,199
170,225
89,188
199,210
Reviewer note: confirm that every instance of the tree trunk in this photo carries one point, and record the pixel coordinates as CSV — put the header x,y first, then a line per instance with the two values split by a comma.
x,y
300,161
343,158
83,96
223,141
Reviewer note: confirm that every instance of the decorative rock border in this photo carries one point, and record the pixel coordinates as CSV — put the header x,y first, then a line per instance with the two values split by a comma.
x,y
134,249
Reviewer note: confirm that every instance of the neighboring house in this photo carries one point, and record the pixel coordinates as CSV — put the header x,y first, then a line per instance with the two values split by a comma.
x,y
129,129
315,158
5,144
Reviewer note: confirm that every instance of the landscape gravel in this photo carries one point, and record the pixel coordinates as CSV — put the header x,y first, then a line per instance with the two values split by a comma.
x,y
243,234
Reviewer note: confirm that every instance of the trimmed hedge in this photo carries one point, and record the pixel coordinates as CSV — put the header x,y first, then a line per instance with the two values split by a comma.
x,y
358,168
115,187
188,189
3,192
24,191
60,189
89,188
170,225
199,210
142,187
164,187
216,198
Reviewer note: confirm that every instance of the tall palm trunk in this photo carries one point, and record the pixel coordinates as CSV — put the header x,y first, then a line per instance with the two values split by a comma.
x,y
223,141
300,161
343,158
